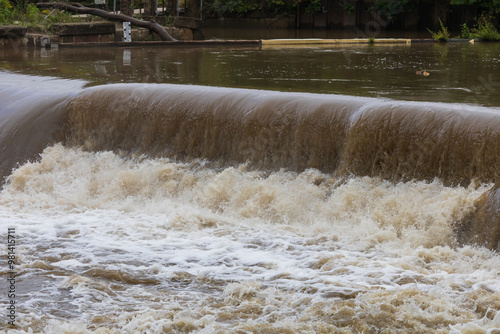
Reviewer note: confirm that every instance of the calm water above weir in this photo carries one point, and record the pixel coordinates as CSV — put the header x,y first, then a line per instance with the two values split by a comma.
x,y
459,73
144,200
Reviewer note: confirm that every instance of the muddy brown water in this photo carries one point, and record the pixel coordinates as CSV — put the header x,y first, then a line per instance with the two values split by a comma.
x,y
246,190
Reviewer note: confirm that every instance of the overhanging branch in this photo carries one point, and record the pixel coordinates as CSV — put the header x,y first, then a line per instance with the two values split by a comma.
x,y
80,9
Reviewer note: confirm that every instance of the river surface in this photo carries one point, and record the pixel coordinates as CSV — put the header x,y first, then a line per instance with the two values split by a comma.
x,y
248,190
458,73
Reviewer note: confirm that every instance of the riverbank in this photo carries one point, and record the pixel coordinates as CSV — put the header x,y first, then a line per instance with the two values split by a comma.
x,y
15,37
96,32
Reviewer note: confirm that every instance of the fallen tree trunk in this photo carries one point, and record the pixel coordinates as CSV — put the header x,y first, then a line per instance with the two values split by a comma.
x,y
78,8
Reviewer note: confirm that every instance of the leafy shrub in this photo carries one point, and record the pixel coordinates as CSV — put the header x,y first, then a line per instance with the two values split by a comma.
x,y
465,32
486,31
235,6
32,13
27,14
314,6
245,7
442,35
5,12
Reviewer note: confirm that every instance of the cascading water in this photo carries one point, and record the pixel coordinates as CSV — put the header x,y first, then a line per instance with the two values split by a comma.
x,y
175,208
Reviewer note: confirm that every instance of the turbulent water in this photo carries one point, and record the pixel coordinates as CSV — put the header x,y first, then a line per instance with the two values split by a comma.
x,y
172,209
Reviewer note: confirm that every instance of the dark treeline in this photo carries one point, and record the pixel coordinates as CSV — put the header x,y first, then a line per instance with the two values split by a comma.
x,y
370,14
367,15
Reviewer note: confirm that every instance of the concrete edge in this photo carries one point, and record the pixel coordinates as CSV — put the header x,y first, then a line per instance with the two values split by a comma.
x,y
208,43
318,41
451,40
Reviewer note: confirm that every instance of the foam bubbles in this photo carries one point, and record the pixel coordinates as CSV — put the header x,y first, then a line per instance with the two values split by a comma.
x,y
118,245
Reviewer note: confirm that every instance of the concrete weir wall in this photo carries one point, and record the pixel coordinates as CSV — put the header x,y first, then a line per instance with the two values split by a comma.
x,y
184,29
92,32
10,36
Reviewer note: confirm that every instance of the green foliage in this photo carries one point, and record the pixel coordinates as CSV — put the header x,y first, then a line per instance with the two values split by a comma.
x,y
465,31
281,6
56,16
32,13
169,20
235,6
313,6
491,7
387,10
347,6
486,31
245,7
27,14
442,35
5,12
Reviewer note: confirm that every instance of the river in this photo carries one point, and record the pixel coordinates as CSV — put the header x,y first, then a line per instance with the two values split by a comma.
x,y
248,190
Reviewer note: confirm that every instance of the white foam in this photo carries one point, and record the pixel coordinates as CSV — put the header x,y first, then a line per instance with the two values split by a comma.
x,y
152,245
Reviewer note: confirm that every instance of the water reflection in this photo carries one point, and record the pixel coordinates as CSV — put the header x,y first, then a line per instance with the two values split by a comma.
x,y
463,73
218,30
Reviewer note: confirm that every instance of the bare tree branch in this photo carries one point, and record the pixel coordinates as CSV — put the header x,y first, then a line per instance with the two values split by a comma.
x,y
78,8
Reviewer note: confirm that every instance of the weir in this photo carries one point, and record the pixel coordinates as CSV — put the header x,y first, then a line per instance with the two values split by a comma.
x,y
336,134
30,120
341,135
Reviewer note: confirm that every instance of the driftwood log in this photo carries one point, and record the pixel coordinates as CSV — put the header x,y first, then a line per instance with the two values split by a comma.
x,y
80,9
